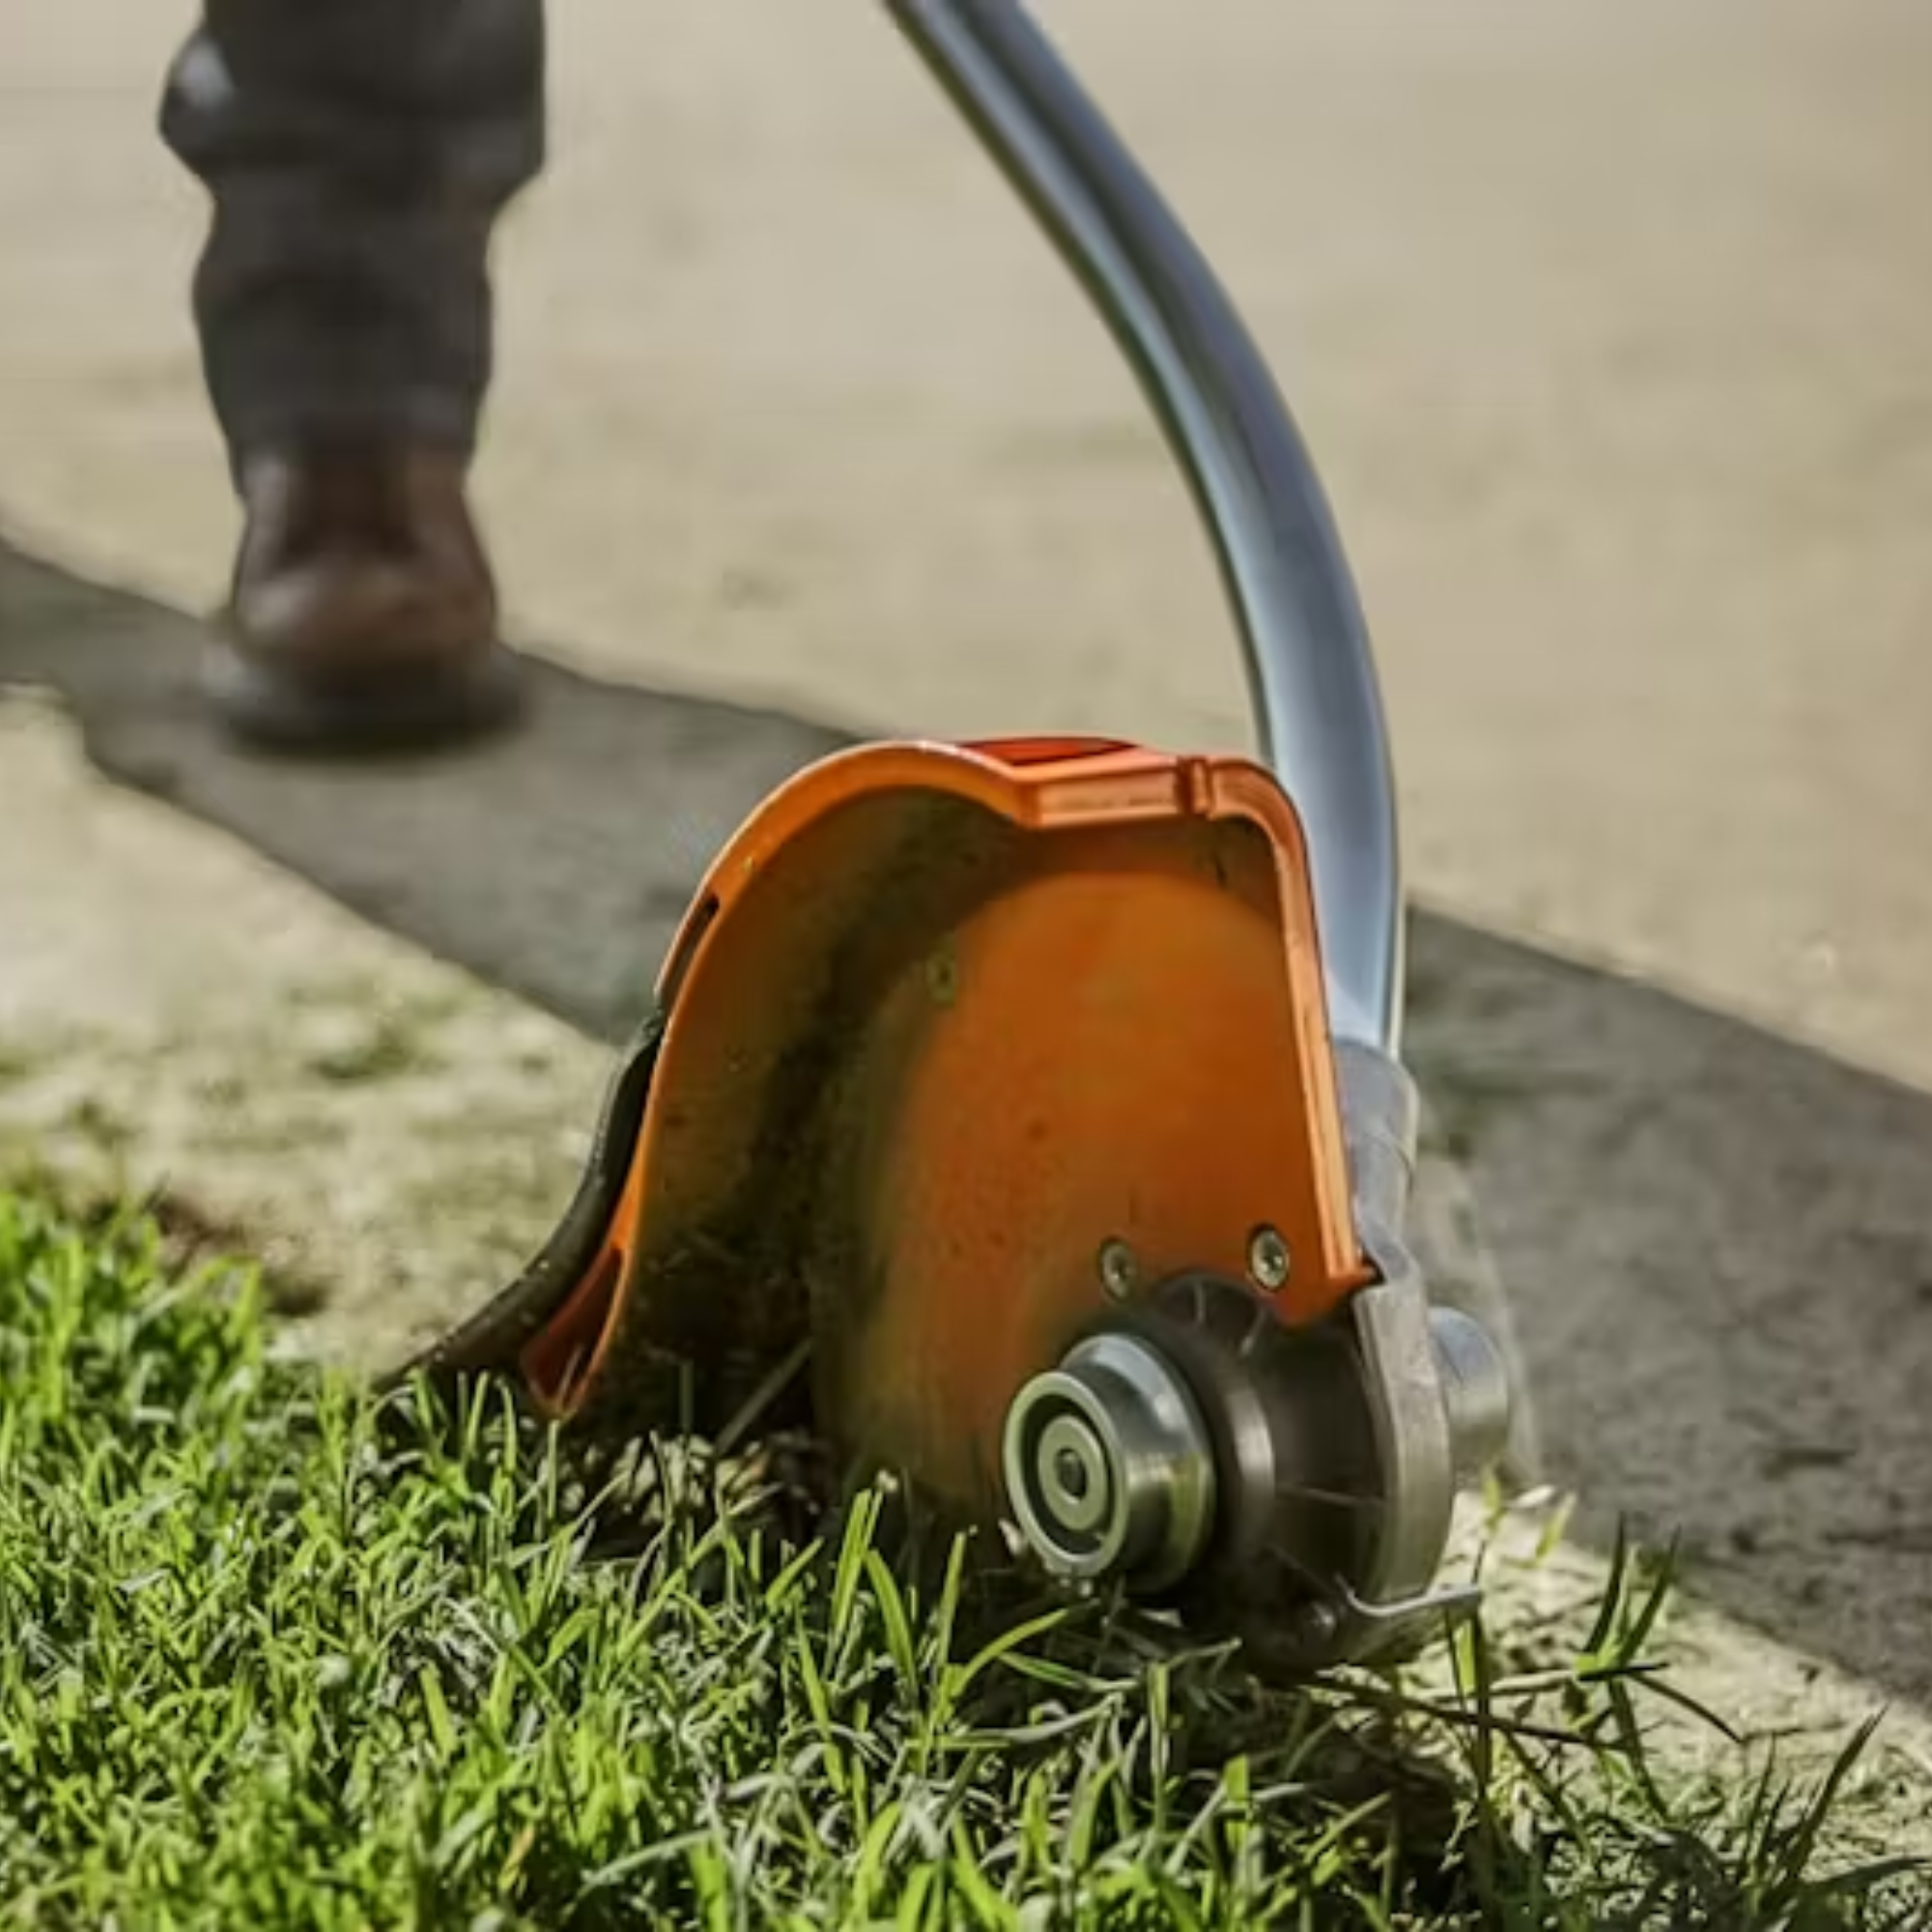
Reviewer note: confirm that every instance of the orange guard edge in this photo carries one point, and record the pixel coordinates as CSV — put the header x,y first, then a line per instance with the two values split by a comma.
x,y
941,1021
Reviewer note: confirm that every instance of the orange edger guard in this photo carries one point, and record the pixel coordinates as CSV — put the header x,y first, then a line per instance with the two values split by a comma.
x,y
950,1031
1046,1092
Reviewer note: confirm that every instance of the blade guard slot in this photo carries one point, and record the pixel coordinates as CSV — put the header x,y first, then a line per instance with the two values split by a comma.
x,y
942,1020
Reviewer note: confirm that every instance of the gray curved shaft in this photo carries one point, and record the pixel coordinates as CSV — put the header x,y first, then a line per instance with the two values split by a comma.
x,y
1311,672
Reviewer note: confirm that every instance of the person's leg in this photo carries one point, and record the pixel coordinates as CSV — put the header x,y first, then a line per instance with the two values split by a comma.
x,y
358,153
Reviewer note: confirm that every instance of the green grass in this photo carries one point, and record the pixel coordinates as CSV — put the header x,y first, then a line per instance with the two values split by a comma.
x,y
274,1651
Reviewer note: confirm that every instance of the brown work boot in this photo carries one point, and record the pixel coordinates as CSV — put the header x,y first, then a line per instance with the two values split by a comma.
x,y
363,613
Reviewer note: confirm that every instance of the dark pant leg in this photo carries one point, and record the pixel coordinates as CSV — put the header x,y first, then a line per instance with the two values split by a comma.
x,y
358,153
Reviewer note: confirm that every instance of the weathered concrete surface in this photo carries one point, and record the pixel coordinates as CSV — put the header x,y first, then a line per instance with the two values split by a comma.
x,y
1608,324
1718,1247
177,1014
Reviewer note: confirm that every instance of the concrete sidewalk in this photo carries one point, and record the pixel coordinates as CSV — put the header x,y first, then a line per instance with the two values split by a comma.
x,y
1607,324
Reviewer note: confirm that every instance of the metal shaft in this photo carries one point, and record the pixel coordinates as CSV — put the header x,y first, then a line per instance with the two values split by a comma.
x,y
1311,674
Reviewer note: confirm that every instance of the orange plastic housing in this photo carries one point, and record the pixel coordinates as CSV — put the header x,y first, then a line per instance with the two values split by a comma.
x,y
941,1021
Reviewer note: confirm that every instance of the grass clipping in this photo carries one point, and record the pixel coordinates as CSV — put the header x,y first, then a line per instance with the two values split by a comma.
x,y
273,1653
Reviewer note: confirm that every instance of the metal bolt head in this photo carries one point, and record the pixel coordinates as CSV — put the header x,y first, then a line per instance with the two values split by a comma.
x,y
1119,1269
1268,1260
1313,1628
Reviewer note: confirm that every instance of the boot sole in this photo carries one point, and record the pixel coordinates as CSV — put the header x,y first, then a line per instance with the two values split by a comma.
x,y
390,711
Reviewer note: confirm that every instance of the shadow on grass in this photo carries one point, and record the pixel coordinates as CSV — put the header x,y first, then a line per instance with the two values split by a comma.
x,y
1717,1244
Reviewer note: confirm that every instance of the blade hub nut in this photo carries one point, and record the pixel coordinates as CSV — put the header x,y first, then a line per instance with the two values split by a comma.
x,y
1109,1467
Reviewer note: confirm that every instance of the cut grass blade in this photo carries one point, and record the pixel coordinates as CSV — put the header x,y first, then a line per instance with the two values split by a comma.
x,y
275,1651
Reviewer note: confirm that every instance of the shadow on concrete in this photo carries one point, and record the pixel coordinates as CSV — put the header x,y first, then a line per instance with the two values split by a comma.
x,y
554,861
1717,1246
